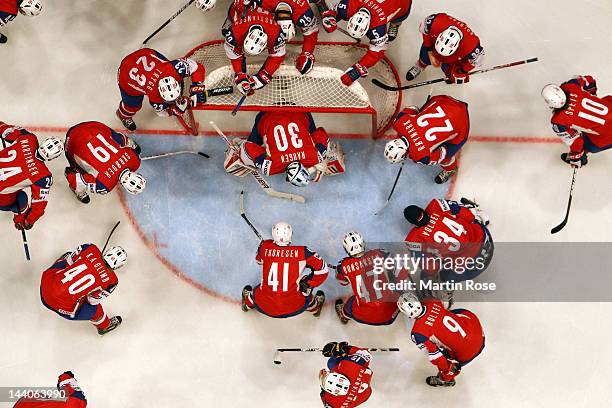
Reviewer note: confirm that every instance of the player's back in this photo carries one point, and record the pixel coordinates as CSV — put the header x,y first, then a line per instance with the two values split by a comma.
x,y
287,137
360,389
282,268
19,167
243,22
359,271
395,8
140,72
441,22
584,112
63,288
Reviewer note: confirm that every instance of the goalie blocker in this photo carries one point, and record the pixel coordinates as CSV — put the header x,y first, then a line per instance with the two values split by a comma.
x,y
290,143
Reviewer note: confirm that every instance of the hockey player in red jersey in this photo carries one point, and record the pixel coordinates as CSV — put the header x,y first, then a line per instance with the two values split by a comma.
x,y
450,45
364,18
580,118
99,159
288,14
432,135
452,338
65,383
284,290
367,305
22,165
451,230
251,35
147,72
10,8
346,381
76,284
286,142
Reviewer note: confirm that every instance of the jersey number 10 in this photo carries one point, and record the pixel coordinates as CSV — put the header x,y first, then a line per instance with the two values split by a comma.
x,y
595,108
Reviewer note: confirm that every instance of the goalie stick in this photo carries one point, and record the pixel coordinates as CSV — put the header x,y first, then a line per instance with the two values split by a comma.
x,y
435,81
263,183
244,217
175,15
161,155
277,354
569,204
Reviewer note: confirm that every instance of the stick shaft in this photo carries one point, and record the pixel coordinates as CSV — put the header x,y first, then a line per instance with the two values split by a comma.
x,y
110,235
307,350
238,105
245,218
161,155
175,15
569,205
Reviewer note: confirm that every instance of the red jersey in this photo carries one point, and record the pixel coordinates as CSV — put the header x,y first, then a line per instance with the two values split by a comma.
x,y
73,279
75,399
437,131
377,34
21,167
283,267
457,331
356,368
584,116
8,11
101,152
140,72
237,32
397,9
469,53
280,138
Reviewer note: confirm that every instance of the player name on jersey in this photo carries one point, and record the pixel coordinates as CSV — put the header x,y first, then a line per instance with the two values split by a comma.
x,y
118,166
28,156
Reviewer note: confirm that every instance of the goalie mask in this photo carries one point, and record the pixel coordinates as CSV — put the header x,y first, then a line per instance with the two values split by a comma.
x,y
298,175
30,8
255,41
169,89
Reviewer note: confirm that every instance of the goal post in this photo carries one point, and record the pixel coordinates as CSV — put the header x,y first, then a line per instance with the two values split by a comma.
x,y
320,91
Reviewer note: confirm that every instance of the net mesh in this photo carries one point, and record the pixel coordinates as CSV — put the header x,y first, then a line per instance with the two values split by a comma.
x,y
318,91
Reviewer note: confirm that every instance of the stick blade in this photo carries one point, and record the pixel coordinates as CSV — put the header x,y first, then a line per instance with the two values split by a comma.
x,y
277,357
558,227
242,203
204,155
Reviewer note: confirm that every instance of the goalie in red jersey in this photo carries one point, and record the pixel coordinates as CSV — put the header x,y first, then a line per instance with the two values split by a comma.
x,y
432,135
453,232
288,14
580,118
99,159
76,284
452,338
346,381
285,290
22,165
286,142
369,304
251,35
364,18
10,8
67,384
448,44
147,72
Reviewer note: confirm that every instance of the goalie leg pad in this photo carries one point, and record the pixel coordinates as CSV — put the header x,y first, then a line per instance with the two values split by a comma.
x,y
232,163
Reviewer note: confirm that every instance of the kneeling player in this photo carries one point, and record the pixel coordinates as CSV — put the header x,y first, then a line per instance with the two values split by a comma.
x,y
367,305
147,72
432,135
346,381
22,165
290,143
66,383
76,284
451,338
10,8
100,158
580,118
284,291
451,229
450,45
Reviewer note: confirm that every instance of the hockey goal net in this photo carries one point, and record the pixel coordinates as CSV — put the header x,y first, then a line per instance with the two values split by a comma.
x,y
319,91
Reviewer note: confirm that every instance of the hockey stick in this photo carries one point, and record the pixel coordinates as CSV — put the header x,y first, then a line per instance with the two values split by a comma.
x,y
159,156
399,173
24,237
194,130
244,217
569,204
175,15
277,355
238,105
110,235
263,183
435,81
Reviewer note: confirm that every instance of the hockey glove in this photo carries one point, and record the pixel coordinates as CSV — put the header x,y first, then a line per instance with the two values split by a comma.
x,y
243,83
197,93
260,79
336,349
575,159
180,106
305,288
354,73
328,19
304,62
457,76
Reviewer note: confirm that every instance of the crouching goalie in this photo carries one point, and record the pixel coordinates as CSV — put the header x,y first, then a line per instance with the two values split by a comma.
x,y
287,143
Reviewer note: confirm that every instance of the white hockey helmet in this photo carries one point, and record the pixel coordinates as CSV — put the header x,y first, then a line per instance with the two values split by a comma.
x,y
448,41
51,148
359,24
335,383
133,182
169,89
410,305
396,149
255,41
353,243
31,8
206,5
554,96
297,174
288,28
115,257
281,233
